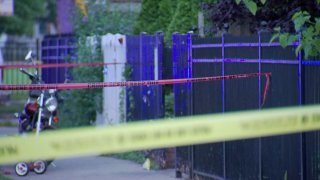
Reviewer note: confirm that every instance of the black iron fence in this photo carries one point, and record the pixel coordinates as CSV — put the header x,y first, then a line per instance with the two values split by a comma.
x,y
294,82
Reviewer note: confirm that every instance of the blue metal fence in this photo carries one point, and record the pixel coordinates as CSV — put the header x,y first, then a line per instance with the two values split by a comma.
x,y
55,50
144,56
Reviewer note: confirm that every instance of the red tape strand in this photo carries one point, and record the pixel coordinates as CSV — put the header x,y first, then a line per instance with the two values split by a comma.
x,y
266,89
63,86
138,83
15,66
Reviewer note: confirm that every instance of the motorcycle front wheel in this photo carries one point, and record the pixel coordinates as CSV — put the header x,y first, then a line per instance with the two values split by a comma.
x,y
22,169
40,167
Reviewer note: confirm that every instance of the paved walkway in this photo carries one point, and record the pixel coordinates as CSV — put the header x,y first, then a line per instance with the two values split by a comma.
x,y
94,167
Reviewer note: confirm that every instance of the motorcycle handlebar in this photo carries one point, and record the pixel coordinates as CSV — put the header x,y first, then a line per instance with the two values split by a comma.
x,y
27,73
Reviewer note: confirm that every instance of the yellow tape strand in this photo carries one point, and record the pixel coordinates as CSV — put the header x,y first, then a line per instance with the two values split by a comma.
x,y
160,133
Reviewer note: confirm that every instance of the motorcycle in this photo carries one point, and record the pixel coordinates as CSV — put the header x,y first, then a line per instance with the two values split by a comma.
x,y
39,114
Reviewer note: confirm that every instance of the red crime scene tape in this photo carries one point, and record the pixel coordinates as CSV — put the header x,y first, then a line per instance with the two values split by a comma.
x,y
62,86
66,86
60,65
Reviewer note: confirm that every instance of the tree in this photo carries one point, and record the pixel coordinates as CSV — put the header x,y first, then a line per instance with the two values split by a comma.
x,y
184,18
306,21
167,16
289,18
26,12
307,30
147,18
167,9
260,15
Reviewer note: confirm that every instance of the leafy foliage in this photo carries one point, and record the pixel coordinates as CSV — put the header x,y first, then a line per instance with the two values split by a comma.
x,y
156,16
167,9
50,14
290,17
26,12
135,156
252,6
307,31
169,105
185,17
127,74
310,34
268,14
147,20
103,18
80,106
167,16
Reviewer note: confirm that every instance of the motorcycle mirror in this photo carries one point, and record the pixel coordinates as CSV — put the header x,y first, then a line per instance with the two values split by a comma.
x,y
28,56
16,115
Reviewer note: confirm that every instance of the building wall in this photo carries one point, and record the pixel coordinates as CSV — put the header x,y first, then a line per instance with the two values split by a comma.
x,y
65,8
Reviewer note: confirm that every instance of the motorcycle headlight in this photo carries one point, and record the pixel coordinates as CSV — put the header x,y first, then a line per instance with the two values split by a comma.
x,y
51,104
52,91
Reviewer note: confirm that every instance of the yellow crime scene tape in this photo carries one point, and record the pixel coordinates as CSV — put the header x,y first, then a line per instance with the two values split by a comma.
x,y
159,133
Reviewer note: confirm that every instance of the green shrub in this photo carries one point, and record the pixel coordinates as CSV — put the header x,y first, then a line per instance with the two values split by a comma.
x,y
2,177
135,156
184,18
167,16
80,106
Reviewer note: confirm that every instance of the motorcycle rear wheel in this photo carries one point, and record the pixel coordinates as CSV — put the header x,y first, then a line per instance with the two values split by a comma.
x,y
40,167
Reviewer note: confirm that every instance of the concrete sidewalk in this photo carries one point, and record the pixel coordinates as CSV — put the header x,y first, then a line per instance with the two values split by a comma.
x,y
94,168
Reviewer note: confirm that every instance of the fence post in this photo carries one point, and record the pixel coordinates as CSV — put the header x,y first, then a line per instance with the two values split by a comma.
x,y
222,73
158,73
189,75
302,135
259,69
174,67
178,173
223,101
259,94
141,70
189,45
299,73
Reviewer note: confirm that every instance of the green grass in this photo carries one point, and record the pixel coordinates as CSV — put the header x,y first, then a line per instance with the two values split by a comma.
x,y
14,76
135,156
7,124
7,111
11,108
2,177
